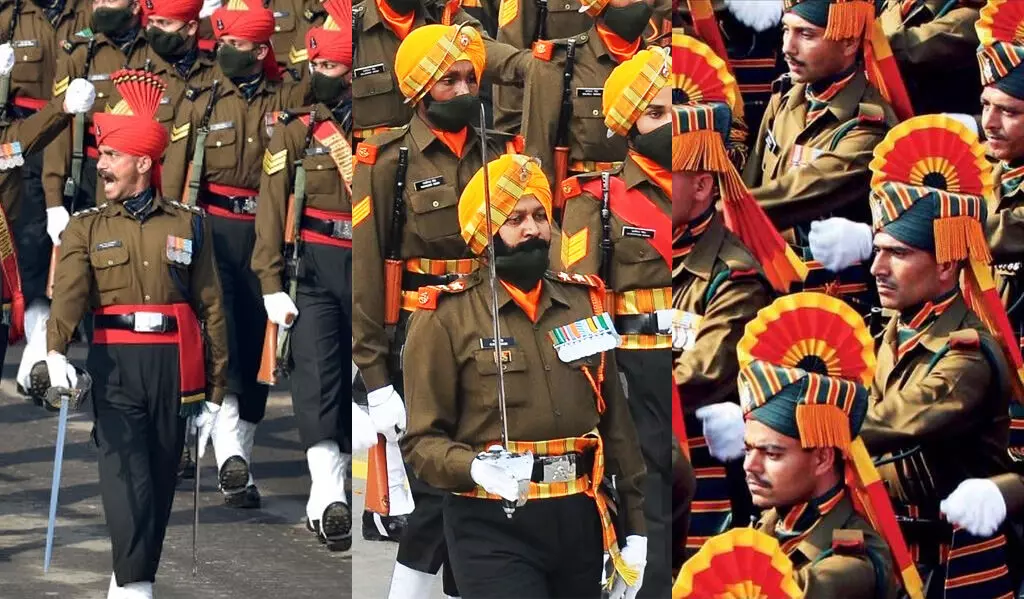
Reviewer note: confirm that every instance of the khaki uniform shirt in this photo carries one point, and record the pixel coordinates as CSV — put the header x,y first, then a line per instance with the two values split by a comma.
x,y
451,388
36,43
800,172
846,576
108,258
292,20
33,133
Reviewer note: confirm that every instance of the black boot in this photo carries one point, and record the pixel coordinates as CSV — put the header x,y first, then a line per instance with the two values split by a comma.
x,y
234,484
335,527
383,528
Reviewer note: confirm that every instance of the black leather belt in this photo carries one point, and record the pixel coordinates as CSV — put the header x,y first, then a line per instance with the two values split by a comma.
x,y
336,229
563,468
139,322
236,205
412,281
637,324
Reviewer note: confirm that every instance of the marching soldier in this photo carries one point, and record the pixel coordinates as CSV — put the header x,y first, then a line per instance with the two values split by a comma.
x,y
314,140
622,233
292,19
405,235
215,157
810,157
563,404
150,288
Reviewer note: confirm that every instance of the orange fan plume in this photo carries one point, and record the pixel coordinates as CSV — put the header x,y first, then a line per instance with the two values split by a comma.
x,y
742,563
701,75
141,90
1001,21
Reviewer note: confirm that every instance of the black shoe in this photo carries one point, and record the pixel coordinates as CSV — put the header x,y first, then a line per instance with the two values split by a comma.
x,y
234,475
393,527
247,498
335,527
38,384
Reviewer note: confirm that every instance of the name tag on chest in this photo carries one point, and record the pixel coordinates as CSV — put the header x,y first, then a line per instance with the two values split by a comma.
x,y
222,126
100,77
505,342
317,151
428,183
637,232
770,144
372,69
106,245
589,92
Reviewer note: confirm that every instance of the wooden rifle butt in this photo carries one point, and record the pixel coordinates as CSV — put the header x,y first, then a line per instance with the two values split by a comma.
x,y
267,374
378,498
392,291
52,274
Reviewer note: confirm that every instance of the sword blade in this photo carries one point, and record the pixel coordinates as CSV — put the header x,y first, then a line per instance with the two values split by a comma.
x,y
58,459
195,513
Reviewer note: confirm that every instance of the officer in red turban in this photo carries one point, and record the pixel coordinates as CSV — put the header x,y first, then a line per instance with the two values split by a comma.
x,y
329,51
170,29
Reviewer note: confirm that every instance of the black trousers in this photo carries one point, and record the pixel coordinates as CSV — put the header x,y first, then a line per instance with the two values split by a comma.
x,y
322,347
233,241
139,435
648,375
29,229
549,548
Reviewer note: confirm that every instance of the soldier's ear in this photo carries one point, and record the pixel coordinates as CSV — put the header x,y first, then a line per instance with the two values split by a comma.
x,y
851,46
261,51
144,164
192,28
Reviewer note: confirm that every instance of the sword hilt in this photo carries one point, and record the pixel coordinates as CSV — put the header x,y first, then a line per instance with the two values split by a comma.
x,y
56,395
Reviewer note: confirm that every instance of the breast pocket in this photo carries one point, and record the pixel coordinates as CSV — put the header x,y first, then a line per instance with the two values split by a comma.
x,y
590,130
769,163
221,153
28,66
321,175
634,250
284,22
111,269
165,112
513,368
104,88
435,213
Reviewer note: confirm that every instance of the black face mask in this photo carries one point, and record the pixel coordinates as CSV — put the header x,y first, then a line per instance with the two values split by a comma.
x,y
328,90
522,265
656,145
236,63
112,20
169,45
628,22
455,114
403,7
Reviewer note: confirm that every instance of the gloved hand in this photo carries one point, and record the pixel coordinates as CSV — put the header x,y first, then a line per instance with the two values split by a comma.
x,y
208,7
364,434
840,243
61,373
723,430
501,476
387,410
57,220
79,96
635,556
203,424
281,309
977,506
6,59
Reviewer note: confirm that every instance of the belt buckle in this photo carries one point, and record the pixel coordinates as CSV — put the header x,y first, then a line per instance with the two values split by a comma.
x,y
150,322
559,469
341,229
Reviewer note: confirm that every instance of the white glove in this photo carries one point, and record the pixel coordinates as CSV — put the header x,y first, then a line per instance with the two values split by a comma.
x,y
61,374
203,424
364,435
281,309
6,59
57,220
387,410
723,430
79,96
635,556
968,121
502,475
977,506
839,243
208,7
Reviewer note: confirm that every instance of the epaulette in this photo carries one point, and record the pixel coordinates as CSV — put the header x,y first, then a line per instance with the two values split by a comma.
x,y
848,542
545,49
191,93
746,273
575,279
193,209
571,188
69,45
870,114
782,85
427,297
366,151
964,339
88,211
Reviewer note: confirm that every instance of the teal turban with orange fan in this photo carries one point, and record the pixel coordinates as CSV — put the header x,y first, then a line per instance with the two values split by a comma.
x,y
1000,29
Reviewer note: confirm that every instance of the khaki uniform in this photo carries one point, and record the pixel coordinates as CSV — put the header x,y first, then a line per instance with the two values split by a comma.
x,y
321,338
1005,229
932,50
451,391
722,284
107,58
642,280
851,575
800,172
517,27
292,19
36,43
33,133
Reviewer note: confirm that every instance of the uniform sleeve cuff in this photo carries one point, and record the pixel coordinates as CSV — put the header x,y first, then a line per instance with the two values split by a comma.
x,y
271,285
375,377
1011,486
461,466
216,395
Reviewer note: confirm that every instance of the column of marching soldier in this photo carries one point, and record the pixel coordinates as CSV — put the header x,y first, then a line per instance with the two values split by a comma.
x,y
851,398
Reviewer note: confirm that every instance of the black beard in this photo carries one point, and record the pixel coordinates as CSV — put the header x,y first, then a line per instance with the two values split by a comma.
x,y
523,265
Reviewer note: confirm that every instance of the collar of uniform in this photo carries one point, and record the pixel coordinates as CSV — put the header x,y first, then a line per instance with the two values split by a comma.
x,y
844,105
820,538
597,46
118,209
632,174
702,258
935,336
423,136
231,88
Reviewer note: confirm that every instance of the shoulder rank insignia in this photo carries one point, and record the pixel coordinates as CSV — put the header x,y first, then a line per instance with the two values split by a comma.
x,y
88,211
274,162
508,11
297,56
571,188
180,132
965,339
361,210
848,542
193,209
577,279
427,297
574,247
366,153
543,49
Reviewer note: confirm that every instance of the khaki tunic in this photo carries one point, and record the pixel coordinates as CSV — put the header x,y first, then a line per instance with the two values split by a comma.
x,y
36,43
846,576
292,20
1005,229
33,133
956,411
324,191
828,175
451,389
108,258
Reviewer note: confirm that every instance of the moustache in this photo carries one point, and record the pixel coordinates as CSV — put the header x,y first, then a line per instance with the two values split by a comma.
x,y
106,176
759,481
885,282
792,59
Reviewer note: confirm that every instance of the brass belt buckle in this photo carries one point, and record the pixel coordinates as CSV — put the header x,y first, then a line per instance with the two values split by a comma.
x,y
559,469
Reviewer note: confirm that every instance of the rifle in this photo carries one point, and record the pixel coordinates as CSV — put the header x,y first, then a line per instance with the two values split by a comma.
x,y
378,496
606,241
561,154
540,30
274,363
393,253
74,180
195,168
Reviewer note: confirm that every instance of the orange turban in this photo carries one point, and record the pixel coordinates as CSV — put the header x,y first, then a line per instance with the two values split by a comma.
x,y
428,52
333,41
511,177
182,10
250,22
131,126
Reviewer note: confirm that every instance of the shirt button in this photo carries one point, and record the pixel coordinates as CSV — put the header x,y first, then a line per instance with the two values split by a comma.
x,y
147,298
110,262
248,139
145,262
320,167
436,204
277,28
558,413
547,367
100,95
595,112
220,143
24,58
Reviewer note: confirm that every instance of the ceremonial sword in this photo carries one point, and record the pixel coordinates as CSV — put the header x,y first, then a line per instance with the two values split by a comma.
x,y
195,511
65,397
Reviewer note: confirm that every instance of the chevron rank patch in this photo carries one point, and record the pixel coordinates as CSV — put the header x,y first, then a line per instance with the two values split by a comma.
x,y
59,87
295,56
507,12
274,162
361,210
180,132
574,247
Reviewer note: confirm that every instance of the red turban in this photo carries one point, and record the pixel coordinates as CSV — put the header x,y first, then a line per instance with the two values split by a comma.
x,y
182,10
131,127
333,41
255,24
